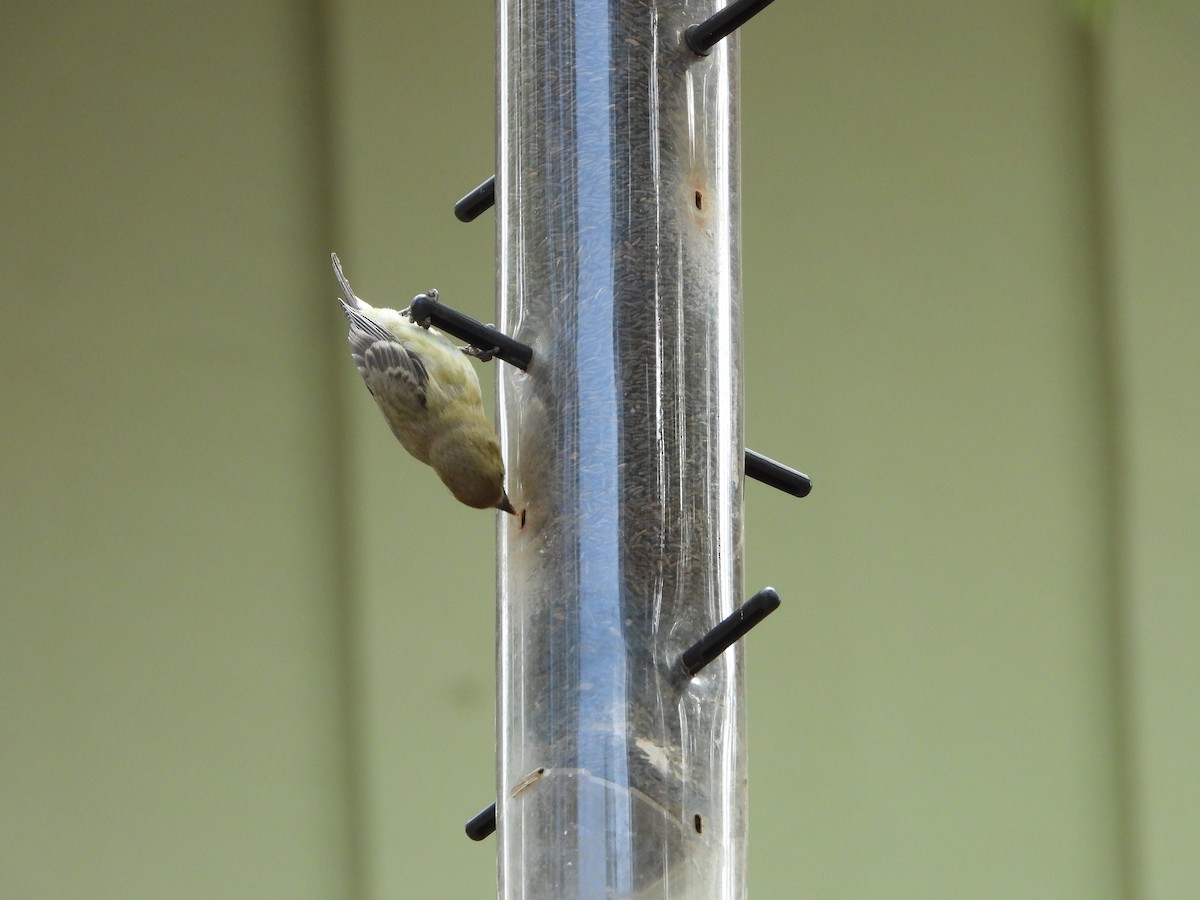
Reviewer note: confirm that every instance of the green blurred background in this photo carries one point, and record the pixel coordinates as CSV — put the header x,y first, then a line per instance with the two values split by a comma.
x,y
246,644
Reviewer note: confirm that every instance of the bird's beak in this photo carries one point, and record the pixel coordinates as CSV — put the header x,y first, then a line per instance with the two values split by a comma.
x,y
505,506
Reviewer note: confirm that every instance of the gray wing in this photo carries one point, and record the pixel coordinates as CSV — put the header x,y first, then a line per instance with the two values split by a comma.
x,y
380,358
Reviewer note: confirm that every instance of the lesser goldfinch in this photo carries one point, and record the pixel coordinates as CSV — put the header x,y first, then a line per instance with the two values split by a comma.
x,y
429,394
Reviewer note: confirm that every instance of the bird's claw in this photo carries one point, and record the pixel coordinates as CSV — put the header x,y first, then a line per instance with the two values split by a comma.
x,y
479,353
483,354
431,294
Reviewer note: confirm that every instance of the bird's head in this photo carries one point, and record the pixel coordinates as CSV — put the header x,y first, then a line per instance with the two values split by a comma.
x,y
469,463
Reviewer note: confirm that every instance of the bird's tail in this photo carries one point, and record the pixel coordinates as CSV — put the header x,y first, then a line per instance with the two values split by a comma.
x,y
351,299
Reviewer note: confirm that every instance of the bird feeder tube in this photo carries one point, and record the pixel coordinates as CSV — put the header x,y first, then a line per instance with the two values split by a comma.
x,y
618,774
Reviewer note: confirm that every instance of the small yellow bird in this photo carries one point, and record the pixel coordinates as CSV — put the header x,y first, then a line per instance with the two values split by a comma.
x,y
429,394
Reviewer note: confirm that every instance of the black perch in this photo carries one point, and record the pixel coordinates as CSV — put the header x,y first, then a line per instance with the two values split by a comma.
x,y
476,203
703,37
721,638
777,475
482,337
482,824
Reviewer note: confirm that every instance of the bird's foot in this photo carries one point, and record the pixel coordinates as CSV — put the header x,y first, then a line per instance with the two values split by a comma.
x,y
479,353
431,294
